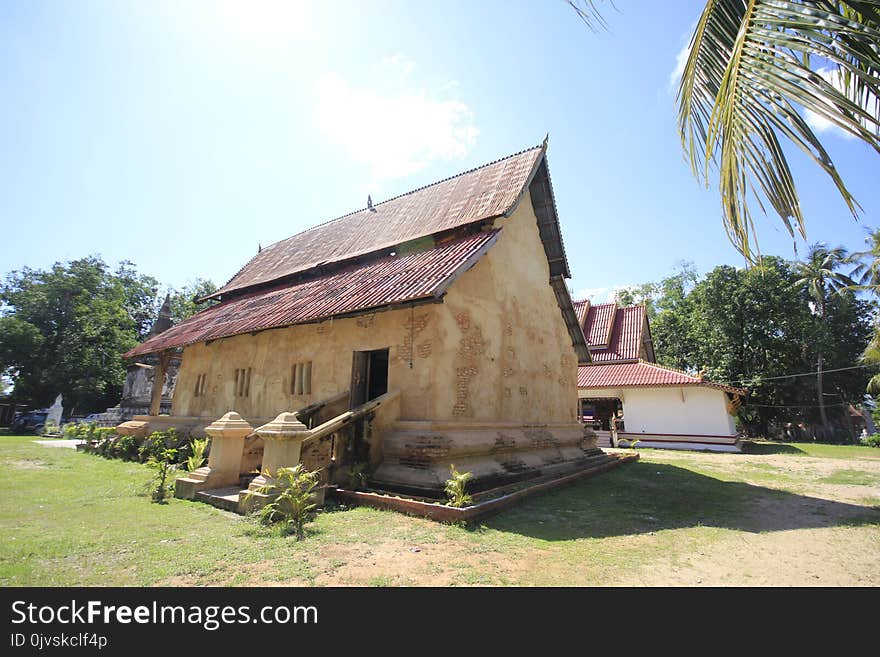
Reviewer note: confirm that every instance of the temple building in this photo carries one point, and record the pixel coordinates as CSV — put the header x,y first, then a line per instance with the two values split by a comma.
x,y
137,390
431,329
626,396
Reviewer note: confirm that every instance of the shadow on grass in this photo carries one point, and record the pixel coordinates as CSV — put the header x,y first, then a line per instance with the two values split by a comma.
x,y
772,448
644,497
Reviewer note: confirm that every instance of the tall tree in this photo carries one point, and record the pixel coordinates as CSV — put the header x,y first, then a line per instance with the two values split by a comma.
x,y
867,264
64,330
867,273
183,302
754,327
140,297
754,67
819,276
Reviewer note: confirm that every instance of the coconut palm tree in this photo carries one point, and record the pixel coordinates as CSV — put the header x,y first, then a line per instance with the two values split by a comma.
x,y
871,356
754,67
818,274
867,264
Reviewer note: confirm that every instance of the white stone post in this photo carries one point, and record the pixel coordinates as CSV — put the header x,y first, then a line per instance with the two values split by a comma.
x,y
224,461
282,446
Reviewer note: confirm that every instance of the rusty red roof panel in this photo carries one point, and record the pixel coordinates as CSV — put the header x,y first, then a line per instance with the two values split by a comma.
x,y
626,336
641,374
597,329
390,279
482,193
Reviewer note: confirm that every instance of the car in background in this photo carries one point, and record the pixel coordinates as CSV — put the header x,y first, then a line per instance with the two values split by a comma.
x,y
29,422
88,419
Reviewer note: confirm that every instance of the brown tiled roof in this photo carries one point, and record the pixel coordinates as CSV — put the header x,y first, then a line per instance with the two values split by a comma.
x,y
483,193
598,323
612,333
358,287
642,375
626,336
581,308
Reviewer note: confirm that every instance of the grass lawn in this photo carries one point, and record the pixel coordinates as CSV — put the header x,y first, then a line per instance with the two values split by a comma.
x,y
783,514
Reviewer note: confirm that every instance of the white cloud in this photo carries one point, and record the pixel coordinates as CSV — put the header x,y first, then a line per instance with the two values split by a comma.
x,y
595,294
600,294
395,134
399,62
681,60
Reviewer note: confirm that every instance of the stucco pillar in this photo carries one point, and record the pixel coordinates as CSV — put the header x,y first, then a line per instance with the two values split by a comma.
x,y
224,461
282,445
159,370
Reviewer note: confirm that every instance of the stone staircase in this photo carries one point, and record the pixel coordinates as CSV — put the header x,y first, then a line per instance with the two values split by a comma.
x,y
222,498
603,438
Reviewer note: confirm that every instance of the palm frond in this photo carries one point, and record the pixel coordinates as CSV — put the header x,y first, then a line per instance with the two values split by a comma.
x,y
588,11
753,68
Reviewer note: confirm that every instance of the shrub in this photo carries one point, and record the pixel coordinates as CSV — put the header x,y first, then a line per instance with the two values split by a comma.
x,y
198,449
873,440
152,447
157,442
456,487
94,432
165,467
104,446
127,447
293,505
73,431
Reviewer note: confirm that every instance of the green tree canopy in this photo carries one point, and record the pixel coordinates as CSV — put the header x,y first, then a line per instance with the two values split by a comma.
x,y
183,302
747,326
64,330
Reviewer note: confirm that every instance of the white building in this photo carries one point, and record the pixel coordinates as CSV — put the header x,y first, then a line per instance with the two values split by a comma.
x,y
626,396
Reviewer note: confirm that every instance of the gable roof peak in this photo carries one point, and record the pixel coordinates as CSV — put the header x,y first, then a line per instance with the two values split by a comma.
x,y
479,194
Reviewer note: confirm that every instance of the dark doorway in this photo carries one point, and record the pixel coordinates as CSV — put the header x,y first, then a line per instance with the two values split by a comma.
x,y
377,378
369,376
601,414
369,379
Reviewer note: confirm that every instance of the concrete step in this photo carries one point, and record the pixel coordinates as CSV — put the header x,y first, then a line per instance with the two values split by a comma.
x,y
222,498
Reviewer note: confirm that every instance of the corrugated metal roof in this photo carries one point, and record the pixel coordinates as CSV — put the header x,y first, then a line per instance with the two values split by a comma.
x,y
482,193
626,336
358,287
642,374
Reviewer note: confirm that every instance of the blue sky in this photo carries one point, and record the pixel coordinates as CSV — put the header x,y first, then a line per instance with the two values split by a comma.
x,y
180,135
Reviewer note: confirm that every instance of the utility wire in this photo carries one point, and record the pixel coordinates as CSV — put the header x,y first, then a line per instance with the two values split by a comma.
x,y
791,376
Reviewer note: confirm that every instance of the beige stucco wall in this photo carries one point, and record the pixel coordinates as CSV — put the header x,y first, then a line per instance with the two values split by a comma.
x,y
496,349
272,354
508,355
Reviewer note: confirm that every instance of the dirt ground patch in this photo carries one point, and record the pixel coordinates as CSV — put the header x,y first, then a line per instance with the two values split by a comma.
x,y
391,562
826,535
25,464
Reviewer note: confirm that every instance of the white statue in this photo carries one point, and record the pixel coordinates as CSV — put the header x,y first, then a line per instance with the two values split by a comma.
x,y
55,411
